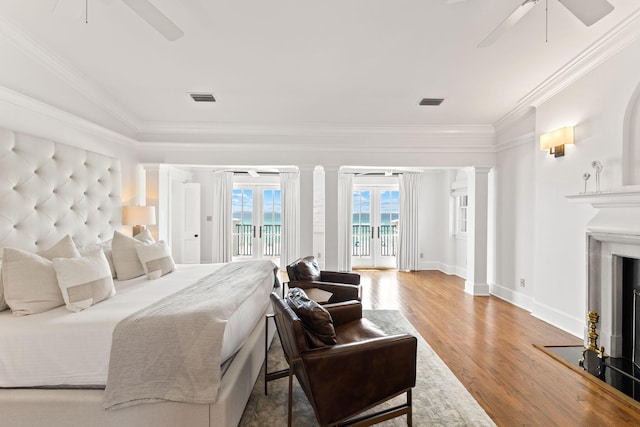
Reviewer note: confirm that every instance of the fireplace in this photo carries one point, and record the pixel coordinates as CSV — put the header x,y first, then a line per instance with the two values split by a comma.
x,y
612,249
613,261
613,285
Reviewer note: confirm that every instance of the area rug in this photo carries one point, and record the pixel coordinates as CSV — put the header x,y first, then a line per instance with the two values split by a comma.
x,y
439,399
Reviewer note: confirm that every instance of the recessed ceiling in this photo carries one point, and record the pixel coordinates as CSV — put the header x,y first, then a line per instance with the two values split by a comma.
x,y
303,63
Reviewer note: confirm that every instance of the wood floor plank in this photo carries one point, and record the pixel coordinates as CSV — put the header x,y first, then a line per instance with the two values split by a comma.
x,y
489,345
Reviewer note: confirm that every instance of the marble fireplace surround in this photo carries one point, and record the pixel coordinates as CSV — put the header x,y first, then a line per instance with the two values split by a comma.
x,y
612,234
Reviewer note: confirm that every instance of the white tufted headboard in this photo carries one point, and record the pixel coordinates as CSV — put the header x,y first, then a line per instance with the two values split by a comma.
x,y
48,190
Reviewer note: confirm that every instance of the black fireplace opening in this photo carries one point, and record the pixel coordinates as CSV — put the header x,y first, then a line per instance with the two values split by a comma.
x,y
631,310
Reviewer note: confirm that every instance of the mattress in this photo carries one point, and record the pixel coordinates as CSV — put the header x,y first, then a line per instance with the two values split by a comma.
x,y
61,348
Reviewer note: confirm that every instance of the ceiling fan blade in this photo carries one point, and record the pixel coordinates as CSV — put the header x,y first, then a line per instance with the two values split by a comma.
x,y
509,22
158,20
588,11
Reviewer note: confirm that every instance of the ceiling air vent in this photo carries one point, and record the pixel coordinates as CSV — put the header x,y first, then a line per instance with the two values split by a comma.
x,y
202,97
431,101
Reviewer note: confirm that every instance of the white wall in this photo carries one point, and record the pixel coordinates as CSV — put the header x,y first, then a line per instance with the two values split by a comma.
x,y
515,225
29,69
438,246
540,236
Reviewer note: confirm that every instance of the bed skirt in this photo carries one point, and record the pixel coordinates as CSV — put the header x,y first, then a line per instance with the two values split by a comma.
x,y
82,407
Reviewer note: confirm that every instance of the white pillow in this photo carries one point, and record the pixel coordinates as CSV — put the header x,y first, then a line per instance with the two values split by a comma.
x,y
65,248
125,257
106,248
30,284
84,281
155,259
29,280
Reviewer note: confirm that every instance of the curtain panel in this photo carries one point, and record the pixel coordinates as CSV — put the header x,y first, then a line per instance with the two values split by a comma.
x,y
290,196
408,239
345,220
222,247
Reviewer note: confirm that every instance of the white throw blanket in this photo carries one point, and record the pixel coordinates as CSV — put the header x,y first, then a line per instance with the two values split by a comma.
x,y
170,350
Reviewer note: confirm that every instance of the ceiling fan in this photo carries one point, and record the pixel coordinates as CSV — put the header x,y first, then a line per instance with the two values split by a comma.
x,y
143,8
587,11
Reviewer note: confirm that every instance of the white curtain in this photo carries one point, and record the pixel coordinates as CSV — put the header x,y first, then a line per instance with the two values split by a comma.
x,y
290,196
222,247
408,242
345,220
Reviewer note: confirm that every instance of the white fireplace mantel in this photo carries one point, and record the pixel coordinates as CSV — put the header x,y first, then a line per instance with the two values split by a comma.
x,y
612,199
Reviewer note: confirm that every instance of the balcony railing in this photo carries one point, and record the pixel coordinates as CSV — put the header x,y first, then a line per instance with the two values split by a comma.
x,y
272,243
243,236
364,234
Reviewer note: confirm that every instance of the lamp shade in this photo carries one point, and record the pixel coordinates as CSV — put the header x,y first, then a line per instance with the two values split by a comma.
x,y
556,138
138,215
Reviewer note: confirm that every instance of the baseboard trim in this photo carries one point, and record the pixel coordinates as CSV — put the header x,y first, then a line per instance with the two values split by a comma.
x,y
518,299
476,289
558,319
444,268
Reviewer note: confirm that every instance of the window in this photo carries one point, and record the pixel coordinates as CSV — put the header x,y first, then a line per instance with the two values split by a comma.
x,y
461,214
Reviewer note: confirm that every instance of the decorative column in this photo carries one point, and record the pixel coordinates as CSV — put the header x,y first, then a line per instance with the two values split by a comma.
x,y
477,230
306,210
331,217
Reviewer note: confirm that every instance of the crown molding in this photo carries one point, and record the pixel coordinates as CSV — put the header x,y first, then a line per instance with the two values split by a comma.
x,y
67,73
524,139
606,46
311,147
152,130
33,105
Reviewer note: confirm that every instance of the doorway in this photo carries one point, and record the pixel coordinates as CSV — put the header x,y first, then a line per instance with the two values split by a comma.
x,y
257,227
376,212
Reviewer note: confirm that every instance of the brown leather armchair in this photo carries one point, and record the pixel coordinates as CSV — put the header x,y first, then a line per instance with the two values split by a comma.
x,y
304,273
364,368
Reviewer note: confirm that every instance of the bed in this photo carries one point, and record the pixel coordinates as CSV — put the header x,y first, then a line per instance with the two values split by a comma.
x,y
55,364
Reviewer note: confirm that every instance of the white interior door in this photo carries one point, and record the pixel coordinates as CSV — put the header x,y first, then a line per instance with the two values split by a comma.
x,y
191,224
185,222
375,226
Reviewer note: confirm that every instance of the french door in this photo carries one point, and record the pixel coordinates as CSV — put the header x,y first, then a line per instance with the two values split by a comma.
x,y
376,211
256,213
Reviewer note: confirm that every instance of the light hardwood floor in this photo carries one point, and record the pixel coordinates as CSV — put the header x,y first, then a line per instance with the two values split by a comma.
x,y
488,344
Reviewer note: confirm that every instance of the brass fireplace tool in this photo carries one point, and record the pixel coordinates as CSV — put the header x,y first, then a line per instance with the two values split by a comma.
x,y
593,357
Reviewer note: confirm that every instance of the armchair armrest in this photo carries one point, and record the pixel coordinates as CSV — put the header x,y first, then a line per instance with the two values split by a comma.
x,y
340,277
343,312
341,292
346,377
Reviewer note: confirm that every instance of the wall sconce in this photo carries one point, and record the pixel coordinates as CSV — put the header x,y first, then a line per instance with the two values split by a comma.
x,y
555,141
138,216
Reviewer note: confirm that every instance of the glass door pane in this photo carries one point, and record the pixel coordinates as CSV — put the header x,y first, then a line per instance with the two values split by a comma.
x,y
362,230
271,225
389,217
242,214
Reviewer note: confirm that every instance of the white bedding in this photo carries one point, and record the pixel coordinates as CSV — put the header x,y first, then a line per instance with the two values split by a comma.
x,y
59,347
